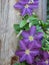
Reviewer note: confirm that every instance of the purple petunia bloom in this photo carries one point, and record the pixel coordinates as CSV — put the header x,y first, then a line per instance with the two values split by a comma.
x,y
26,6
32,35
26,53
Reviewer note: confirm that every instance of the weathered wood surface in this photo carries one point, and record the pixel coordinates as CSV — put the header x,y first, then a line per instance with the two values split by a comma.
x,y
8,40
8,37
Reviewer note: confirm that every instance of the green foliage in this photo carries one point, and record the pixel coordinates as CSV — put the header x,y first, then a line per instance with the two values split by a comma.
x,y
28,21
46,47
45,42
22,23
23,63
17,28
16,63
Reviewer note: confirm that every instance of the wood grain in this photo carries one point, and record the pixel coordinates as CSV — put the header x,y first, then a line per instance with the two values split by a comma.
x,y
7,34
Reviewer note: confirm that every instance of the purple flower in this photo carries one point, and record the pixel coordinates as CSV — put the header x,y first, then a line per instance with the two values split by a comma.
x,y
45,54
43,58
26,53
43,62
26,6
32,35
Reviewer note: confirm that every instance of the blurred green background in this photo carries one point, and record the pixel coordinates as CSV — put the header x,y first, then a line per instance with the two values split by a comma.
x,y
48,9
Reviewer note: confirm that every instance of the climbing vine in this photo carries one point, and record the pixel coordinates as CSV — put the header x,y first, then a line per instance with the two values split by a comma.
x,y
33,35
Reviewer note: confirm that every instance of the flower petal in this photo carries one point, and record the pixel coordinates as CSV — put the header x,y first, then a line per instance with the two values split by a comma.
x,y
26,40
18,6
46,54
34,52
25,34
35,44
33,6
29,59
23,12
19,53
39,36
22,45
29,11
23,58
33,30
23,1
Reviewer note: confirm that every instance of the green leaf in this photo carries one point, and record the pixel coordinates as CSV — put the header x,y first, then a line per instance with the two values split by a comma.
x,y
17,28
38,28
43,24
16,64
22,64
22,24
30,24
46,49
45,45
32,18
34,14
25,17
26,27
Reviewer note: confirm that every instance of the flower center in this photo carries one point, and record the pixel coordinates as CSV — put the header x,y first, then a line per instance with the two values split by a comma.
x,y
31,1
46,61
27,52
26,6
31,38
